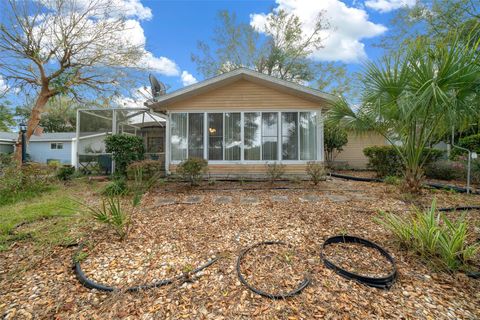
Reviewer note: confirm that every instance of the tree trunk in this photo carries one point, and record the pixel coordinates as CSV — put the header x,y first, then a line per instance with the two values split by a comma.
x,y
413,180
33,121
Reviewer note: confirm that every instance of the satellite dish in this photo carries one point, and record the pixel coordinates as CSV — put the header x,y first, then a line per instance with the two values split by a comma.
x,y
158,88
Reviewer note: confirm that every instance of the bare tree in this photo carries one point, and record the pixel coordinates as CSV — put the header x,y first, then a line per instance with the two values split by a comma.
x,y
64,47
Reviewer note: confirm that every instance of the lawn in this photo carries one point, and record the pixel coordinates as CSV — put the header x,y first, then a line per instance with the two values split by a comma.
x,y
177,228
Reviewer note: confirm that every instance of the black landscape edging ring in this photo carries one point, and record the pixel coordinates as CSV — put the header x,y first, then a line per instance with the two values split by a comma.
x,y
306,281
466,208
381,282
90,284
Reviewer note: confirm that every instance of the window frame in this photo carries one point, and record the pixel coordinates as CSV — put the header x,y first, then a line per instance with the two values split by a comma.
x,y
318,132
57,145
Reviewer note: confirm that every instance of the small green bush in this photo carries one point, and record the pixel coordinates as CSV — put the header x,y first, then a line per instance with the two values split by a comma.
x,y
192,170
386,161
316,172
433,236
392,180
27,181
65,172
471,143
476,171
125,149
275,171
445,170
148,169
117,187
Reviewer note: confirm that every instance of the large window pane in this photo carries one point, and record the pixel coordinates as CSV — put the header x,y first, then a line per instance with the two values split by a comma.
x,y
252,135
269,135
195,135
289,135
233,136
215,136
178,136
308,135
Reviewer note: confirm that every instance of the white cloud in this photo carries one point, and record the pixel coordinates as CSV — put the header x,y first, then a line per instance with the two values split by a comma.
x,y
188,78
161,65
108,8
388,5
349,26
131,35
3,85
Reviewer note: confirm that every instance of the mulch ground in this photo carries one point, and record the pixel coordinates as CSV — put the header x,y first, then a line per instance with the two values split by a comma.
x,y
171,240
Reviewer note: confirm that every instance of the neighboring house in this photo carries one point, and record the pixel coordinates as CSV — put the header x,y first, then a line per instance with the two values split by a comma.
x,y
241,120
7,142
58,146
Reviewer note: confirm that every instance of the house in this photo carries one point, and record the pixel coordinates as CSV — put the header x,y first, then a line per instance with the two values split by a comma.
x,y
7,142
59,146
241,120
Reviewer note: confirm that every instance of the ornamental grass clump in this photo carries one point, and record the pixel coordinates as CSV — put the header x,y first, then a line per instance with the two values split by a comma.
x,y
275,171
316,172
433,236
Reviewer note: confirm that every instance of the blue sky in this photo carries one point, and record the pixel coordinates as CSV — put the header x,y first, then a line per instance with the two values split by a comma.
x,y
169,32
176,26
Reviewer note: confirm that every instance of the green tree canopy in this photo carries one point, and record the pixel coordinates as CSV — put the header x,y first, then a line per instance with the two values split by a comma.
x,y
416,97
280,49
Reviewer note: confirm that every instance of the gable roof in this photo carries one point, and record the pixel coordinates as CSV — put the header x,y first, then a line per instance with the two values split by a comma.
x,y
235,75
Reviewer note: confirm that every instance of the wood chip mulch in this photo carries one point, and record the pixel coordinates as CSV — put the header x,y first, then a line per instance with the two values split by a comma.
x,y
174,239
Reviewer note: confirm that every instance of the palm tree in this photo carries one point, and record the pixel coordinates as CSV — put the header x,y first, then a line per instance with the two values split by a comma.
x,y
414,98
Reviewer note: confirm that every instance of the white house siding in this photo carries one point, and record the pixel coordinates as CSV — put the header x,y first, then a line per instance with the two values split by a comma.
x,y
40,151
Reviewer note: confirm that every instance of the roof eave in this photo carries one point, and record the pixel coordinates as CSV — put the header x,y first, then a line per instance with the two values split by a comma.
x,y
230,77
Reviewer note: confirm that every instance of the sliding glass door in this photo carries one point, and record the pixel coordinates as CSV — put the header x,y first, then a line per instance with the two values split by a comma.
x,y
269,135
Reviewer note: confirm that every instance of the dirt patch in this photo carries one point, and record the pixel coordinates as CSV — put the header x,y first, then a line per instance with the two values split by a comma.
x,y
167,240
359,259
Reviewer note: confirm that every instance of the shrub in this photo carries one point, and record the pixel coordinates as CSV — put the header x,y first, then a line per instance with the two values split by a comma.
x,y
65,172
193,169
6,160
316,172
471,143
386,161
432,235
117,187
335,138
23,182
476,171
445,170
275,171
148,168
113,214
125,149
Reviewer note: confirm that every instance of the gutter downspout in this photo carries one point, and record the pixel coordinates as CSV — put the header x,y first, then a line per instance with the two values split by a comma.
x,y
468,162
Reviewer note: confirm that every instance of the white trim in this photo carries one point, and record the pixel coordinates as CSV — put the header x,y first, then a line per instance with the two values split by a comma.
x,y
318,131
167,146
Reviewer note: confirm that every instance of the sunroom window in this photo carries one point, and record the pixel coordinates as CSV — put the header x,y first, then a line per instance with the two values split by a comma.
x,y
215,136
252,138
259,135
308,135
233,135
195,135
269,135
289,136
178,139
